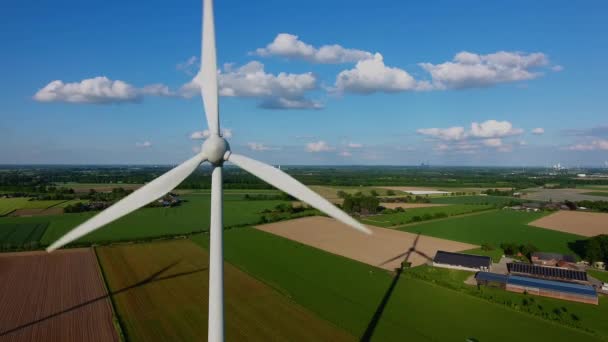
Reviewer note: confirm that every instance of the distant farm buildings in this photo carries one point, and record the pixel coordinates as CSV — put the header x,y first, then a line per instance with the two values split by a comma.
x,y
552,259
540,287
460,261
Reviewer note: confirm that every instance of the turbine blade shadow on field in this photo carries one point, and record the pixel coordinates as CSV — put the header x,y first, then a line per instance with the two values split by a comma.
x,y
407,253
371,327
154,277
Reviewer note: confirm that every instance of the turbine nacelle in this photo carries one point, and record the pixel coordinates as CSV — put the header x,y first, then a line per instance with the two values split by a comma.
x,y
215,149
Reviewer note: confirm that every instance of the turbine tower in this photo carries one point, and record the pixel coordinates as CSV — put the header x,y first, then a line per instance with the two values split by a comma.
x,y
216,151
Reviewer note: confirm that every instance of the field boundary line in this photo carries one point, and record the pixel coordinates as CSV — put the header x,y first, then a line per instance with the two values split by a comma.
x,y
116,319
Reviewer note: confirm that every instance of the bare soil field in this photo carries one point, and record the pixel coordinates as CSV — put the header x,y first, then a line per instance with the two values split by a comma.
x,y
575,222
54,297
386,248
161,294
37,212
411,205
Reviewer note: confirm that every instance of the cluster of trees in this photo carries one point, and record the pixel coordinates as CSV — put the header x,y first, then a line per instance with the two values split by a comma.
x,y
267,197
594,205
113,196
361,204
498,192
513,248
596,249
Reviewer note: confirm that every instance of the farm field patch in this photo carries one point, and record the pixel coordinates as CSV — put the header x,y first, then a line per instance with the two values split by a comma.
x,y
473,199
21,235
190,216
575,222
496,227
596,193
421,214
160,290
331,192
411,205
374,304
54,297
381,249
558,195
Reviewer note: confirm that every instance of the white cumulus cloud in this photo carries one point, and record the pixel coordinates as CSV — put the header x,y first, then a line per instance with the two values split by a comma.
x,y
143,144
468,69
318,146
354,145
290,46
592,146
372,75
494,129
256,146
538,131
98,90
284,90
450,133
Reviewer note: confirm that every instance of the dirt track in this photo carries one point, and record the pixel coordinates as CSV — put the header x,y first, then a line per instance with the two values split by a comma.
x,y
386,248
54,297
575,222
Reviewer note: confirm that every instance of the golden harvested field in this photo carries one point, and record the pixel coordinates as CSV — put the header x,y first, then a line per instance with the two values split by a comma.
x,y
54,297
161,294
386,248
411,205
575,222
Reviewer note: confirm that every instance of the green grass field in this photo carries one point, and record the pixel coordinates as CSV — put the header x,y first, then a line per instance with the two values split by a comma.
x,y
408,216
596,193
584,316
351,295
599,275
191,216
496,227
7,205
473,200
18,235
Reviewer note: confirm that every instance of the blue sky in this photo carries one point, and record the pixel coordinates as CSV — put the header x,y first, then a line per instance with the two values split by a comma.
x,y
308,82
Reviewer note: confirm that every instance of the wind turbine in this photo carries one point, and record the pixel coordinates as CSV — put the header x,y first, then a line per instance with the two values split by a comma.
x,y
216,151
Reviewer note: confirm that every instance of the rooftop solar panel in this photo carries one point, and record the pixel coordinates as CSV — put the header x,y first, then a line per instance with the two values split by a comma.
x,y
546,271
552,285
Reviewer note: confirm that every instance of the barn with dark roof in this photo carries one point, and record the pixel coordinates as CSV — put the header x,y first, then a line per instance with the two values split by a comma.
x,y
461,261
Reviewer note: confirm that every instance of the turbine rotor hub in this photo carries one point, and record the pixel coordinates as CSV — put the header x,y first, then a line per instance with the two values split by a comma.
x,y
215,149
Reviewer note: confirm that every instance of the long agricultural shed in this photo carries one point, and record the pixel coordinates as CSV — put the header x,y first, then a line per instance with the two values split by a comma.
x,y
540,287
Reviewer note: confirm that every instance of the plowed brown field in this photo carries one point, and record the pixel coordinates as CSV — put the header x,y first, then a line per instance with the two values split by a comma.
x,y
385,248
54,297
161,294
575,222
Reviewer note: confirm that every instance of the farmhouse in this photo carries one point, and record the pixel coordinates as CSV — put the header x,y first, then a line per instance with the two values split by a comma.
x,y
552,259
540,287
462,261
547,272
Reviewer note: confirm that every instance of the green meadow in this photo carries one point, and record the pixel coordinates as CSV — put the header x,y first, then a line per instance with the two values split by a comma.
x,y
373,304
496,227
421,214
494,200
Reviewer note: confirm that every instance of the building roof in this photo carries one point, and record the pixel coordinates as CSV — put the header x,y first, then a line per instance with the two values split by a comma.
x,y
546,271
465,260
495,277
553,256
552,285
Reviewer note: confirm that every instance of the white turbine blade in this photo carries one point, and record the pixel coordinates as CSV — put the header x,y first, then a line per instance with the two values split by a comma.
x,y
140,197
209,69
288,184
